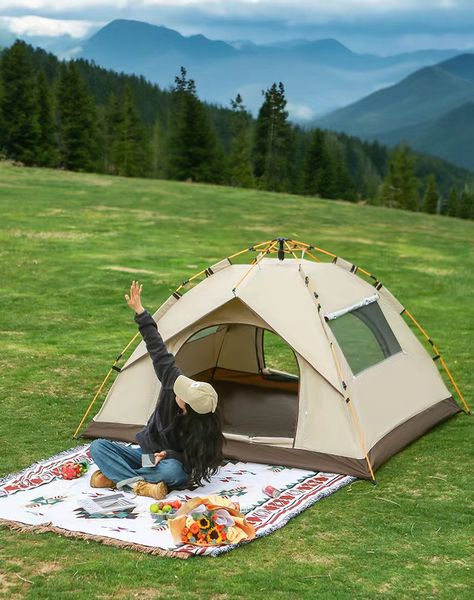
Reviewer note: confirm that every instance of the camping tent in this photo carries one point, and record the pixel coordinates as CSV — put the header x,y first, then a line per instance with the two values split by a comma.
x,y
366,386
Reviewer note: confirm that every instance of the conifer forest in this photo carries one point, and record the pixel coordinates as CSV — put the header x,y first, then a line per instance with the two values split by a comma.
x,y
77,116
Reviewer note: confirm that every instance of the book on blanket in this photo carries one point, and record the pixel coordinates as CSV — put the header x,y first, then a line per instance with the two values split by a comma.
x,y
106,504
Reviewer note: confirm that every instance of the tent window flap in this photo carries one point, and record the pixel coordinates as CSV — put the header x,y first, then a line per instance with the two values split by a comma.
x,y
203,333
364,336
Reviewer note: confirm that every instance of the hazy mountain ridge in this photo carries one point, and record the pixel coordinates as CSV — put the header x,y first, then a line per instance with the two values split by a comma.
x,y
318,75
431,109
450,136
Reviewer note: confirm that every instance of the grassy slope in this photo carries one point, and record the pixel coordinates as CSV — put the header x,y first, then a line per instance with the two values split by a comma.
x,y
63,320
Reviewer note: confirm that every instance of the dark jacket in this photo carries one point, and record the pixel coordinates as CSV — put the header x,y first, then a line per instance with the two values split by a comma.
x,y
163,430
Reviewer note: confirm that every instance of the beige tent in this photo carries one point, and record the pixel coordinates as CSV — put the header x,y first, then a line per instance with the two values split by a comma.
x,y
366,386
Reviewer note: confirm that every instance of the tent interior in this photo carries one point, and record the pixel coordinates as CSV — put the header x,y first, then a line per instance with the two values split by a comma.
x,y
257,400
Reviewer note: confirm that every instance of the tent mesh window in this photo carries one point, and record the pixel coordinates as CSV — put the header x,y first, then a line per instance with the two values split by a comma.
x,y
365,337
203,333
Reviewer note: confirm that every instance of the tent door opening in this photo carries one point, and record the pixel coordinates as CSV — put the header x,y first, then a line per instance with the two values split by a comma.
x,y
256,376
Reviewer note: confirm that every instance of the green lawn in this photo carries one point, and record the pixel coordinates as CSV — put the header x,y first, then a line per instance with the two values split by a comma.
x,y
65,241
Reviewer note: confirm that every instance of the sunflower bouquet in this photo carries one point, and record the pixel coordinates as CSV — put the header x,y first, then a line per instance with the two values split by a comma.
x,y
210,521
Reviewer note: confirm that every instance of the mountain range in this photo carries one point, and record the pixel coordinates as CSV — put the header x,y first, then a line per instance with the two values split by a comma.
x,y
431,109
425,98
319,76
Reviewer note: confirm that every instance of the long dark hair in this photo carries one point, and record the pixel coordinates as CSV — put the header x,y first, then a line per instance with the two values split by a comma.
x,y
202,443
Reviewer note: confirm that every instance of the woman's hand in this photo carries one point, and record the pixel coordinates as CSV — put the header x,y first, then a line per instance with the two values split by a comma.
x,y
160,456
134,300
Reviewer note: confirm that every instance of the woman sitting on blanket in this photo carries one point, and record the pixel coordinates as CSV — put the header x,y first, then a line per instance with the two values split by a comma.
x,y
182,442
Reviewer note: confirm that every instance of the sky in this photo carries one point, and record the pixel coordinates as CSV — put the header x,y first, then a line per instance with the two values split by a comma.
x,y
381,27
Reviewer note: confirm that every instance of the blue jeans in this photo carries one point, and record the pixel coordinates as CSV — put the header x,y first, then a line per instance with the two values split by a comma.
x,y
123,465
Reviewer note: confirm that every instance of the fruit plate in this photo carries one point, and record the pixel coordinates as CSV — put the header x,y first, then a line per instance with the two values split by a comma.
x,y
162,518
164,510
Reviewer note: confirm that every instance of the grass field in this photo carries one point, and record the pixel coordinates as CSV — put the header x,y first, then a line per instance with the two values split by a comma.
x,y
71,244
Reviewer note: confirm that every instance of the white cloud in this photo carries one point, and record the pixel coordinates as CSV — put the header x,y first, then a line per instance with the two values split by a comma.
x,y
31,25
300,112
363,25
317,10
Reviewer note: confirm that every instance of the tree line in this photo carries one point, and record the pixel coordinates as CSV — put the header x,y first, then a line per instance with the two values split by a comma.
x,y
75,115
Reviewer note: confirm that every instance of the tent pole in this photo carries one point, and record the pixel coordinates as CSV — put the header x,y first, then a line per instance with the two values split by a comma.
x,y
196,275
467,410
355,419
289,248
92,403
264,252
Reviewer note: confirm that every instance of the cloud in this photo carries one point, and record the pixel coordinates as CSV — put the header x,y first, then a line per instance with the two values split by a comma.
x,y
363,25
318,11
31,25
300,112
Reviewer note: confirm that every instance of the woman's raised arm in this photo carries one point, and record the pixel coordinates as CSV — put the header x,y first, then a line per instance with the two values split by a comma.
x,y
163,361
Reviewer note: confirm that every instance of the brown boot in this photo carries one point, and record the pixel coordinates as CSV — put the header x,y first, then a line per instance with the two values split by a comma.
x,y
99,480
158,491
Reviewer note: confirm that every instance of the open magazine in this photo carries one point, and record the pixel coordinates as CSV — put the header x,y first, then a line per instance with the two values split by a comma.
x,y
106,504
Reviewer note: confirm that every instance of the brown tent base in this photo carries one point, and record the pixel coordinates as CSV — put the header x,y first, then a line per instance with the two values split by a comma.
x,y
393,442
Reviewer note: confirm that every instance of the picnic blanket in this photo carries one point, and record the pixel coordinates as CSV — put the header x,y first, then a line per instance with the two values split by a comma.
x,y
38,499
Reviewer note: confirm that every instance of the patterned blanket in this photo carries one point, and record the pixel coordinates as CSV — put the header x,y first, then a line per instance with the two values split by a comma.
x,y
38,499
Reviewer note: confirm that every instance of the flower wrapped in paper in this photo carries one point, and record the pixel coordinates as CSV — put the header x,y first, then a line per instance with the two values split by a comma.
x,y
210,521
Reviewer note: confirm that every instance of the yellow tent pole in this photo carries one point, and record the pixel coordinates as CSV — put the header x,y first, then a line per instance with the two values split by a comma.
x,y
352,409
289,248
441,360
249,249
364,271
92,403
312,256
325,252
263,253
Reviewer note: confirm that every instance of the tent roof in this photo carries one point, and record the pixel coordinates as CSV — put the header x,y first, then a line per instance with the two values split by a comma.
x,y
276,292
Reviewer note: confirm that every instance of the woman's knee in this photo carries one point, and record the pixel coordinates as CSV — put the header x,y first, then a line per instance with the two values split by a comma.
x,y
172,472
98,447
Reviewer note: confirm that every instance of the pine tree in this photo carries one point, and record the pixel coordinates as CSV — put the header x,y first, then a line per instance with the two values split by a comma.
x,y
79,139
192,144
453,203
158,155
314,164
344,186
273,143
47,148
400,186
240,159
431,198
131,150
111,123
466,205
19,105
328,176
444,203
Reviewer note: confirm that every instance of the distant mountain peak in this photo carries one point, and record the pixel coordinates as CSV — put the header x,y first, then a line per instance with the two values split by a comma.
x,y
326,44
124,41
461,66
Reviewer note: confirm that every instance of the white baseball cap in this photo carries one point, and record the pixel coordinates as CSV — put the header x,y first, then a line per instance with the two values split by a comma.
x,y
200,396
